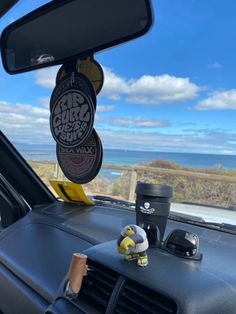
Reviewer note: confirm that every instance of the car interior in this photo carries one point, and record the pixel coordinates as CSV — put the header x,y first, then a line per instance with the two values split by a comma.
x,y
40,232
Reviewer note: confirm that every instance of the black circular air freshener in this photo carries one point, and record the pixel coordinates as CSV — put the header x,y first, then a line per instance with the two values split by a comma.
x,y
72,113
76,80
89,68
81,164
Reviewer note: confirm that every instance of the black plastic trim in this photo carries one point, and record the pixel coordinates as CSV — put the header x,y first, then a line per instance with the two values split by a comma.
x,y
115,295
6,5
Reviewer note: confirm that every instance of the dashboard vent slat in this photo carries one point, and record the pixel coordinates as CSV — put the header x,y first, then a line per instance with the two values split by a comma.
x,y
97,287
137,299
100,280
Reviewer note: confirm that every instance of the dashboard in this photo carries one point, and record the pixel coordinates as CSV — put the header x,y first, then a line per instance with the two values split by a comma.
x,y
35,255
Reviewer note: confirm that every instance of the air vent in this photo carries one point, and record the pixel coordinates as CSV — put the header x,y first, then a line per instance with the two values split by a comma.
x,y
137,299
97,287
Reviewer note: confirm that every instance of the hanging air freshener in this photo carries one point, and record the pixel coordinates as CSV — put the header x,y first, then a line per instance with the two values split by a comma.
x,y
82,163
90,68
72,111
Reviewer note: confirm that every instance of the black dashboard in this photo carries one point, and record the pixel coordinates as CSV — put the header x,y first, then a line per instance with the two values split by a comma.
x,y
35,255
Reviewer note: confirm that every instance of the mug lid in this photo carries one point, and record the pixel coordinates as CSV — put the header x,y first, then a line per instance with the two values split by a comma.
x,y
156,190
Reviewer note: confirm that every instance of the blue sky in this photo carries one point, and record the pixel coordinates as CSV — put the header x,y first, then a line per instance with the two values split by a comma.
x,y
172,90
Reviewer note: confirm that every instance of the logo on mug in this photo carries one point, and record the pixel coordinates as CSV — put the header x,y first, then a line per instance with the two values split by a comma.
x,y
145,209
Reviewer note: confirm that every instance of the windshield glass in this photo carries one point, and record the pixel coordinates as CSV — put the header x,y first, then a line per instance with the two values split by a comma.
x,y
165,115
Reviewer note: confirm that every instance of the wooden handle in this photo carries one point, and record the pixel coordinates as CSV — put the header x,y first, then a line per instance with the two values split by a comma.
x,y
78,269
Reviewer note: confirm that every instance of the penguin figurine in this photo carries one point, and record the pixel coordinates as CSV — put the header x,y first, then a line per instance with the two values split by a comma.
x,y
133,244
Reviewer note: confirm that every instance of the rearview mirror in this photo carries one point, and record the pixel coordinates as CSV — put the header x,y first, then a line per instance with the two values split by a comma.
x,y
66,29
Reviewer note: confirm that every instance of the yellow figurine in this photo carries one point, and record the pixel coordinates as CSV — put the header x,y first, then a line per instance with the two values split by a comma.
x,y
133,244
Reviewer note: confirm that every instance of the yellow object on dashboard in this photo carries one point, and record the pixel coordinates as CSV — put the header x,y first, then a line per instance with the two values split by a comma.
x,y
70,192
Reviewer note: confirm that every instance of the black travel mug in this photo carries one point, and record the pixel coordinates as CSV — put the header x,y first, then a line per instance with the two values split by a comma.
x,y
152,209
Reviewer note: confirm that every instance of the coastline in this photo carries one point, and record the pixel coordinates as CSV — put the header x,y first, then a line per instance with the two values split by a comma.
x,y
206,186
125,157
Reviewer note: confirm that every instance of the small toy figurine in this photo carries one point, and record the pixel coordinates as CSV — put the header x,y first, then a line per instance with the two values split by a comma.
x,y
133,244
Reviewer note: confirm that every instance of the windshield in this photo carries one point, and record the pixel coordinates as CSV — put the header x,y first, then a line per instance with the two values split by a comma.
x,y
165,115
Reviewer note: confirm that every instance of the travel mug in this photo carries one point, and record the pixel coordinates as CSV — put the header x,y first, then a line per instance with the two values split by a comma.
x,y
152,209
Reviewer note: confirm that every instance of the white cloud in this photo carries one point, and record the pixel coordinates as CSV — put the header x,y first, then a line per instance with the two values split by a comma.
x,y
23,110
44,102
101,108
25,123
214,65
46,77
146,90
99,117
208,142
219,101
30,124
140,122
227,152
151,90
114,85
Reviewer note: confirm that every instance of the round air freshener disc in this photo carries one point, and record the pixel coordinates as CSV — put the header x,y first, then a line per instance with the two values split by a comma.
x,y
89,68
76,80
72,115
81,164
93,71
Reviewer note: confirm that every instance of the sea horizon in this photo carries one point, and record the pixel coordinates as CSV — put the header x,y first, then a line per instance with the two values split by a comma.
x,y
121,156
28,147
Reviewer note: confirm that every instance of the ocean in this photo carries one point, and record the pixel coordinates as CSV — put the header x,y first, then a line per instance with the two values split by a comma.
x,y
126,157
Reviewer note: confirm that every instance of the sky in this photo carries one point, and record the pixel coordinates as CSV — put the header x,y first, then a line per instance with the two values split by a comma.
x,y
173,90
